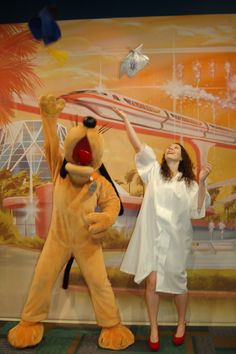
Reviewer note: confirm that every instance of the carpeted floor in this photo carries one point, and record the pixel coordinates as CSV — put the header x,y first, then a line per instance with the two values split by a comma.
x,y
82,339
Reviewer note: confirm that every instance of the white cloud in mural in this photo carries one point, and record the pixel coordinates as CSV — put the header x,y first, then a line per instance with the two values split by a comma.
x,y
176,89
134,24
225,28
216,39
214,34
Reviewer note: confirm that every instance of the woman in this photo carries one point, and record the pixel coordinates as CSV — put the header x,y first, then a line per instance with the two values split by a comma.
x,y
162,237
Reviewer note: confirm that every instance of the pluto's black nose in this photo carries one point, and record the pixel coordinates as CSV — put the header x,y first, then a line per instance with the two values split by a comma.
x,y
89,122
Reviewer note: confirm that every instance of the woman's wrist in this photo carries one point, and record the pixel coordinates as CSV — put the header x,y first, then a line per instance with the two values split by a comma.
x,y
203,182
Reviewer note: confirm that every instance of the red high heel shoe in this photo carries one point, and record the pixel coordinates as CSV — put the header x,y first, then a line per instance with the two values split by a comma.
x,y
179,340
154,346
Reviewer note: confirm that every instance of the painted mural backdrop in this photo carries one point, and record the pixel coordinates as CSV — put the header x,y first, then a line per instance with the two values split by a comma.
x,y
186,93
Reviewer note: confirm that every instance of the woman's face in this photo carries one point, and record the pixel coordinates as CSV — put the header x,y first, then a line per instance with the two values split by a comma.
x,y
173,152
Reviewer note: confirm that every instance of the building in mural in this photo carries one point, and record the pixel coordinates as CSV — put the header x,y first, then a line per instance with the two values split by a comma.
x,y
21,149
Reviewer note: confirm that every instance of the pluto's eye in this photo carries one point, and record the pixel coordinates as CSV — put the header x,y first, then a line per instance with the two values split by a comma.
x,y
89,122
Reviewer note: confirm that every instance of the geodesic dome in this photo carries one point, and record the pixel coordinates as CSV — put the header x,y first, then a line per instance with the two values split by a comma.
x,y
21,147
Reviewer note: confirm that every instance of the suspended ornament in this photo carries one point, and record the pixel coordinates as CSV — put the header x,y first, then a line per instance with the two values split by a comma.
x,y
197,72
227,67
212,67
60,56
134,62
44,27
232,85
180,71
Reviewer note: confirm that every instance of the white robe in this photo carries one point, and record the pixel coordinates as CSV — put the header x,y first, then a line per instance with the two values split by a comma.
x,y
162,236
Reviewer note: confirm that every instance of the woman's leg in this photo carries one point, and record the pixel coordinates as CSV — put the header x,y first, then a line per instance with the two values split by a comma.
x,y
181,302
152,300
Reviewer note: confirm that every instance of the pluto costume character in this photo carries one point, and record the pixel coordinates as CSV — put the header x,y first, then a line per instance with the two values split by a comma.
x,y
76,226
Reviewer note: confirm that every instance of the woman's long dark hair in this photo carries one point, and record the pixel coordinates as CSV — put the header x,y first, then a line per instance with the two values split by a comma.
x,y
185,166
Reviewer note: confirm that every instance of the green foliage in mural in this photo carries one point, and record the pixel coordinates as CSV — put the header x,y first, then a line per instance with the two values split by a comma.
x,y
8,231
9,234
114,239
17,185
210,280
12,186
230,207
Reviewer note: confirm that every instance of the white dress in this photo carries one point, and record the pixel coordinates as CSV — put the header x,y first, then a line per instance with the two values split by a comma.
x,y
162,236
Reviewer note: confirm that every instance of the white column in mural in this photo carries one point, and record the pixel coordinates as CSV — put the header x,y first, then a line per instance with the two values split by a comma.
x,y
227,67
174,82
203,147
30,207
197,77
212,69
180,77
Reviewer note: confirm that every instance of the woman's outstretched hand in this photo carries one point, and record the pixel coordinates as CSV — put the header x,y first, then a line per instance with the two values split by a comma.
x,y
119,113
204,173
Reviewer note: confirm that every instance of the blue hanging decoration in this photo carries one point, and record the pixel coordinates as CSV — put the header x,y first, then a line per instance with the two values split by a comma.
x,y
44,27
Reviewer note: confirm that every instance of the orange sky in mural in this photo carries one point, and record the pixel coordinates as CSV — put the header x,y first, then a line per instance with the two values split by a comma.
x,y
192,70
202,48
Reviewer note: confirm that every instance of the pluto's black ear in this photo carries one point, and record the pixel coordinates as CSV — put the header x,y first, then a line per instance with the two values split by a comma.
x,y
105,174
63,171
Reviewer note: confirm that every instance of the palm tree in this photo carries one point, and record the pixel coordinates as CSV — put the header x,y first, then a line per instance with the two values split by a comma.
x,y
129,177
229,208
16,68
213,194
140,183
233,189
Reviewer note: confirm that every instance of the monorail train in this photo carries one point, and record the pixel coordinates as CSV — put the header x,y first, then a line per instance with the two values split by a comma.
x,y
100,103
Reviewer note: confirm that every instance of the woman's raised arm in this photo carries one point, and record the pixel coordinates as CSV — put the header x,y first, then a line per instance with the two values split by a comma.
x,y
132,135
